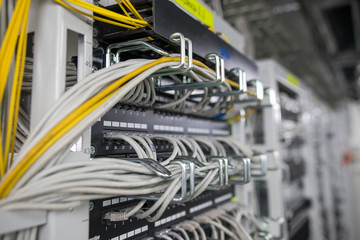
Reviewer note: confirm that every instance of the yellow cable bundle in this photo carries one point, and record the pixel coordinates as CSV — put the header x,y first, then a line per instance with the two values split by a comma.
x,y
116,18
11,40
22,52
92,16
68,123
238,117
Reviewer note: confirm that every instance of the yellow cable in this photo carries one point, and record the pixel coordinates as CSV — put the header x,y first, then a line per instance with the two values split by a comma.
x,y
17,81
107,13
6,54
251,93
236,85
92,16
232,83
65,125
229,109
211,29
18,94
226,39
9,43
135,25
238,117
133,10
10,120
2,164
122,8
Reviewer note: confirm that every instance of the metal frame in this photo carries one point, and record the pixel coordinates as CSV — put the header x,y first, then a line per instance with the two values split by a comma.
x,y
271,73
271,123
50,23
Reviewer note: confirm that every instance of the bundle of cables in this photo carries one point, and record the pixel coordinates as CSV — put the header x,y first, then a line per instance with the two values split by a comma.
x,y
64,185
39,176
15,41
71,74
41,179
230,221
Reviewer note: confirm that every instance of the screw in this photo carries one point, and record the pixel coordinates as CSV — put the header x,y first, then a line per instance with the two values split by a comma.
x,y
92,150
91,206
96,43
158,81
95,32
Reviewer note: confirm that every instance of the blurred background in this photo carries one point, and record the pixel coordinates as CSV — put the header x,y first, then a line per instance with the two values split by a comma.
x,y
318,40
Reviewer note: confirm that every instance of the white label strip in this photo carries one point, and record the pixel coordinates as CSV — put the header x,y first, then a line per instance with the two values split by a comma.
x,y
199,130
107,123
220,132
115,124
201,206
106,203
223,198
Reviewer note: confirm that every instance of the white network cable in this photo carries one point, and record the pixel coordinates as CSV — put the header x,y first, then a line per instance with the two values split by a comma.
x,y
70,181
65,185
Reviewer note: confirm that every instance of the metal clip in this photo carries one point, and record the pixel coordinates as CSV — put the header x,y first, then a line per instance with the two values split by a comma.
x,y
223,173
179,38
262,168
191,159
190,54
184,191
184,195
280,221
220,77
271,93
271,98
276,160
266,221
153,166
247,172
242,86
263,235
219,67
184,66
259,90
130,46
242,79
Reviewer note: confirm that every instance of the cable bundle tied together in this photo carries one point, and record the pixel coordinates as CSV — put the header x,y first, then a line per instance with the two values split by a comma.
x,y
39,179
16,39
224,222
75,111
108,16
81,106
50,154
71,183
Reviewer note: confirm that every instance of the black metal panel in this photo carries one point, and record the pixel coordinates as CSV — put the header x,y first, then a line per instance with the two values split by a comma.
x,y
120,119
134,228
168,18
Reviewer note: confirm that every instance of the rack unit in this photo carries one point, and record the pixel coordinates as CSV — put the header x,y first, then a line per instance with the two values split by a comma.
x,y
285,129
84,44
274,168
